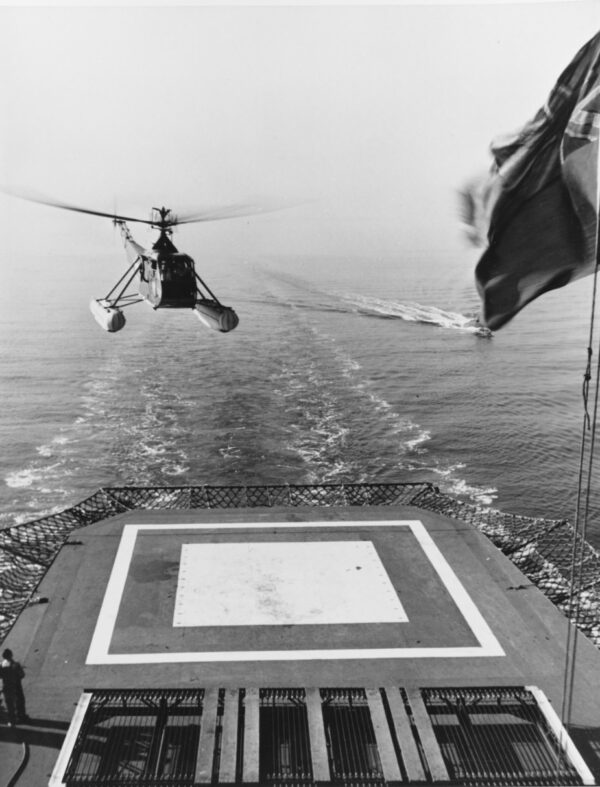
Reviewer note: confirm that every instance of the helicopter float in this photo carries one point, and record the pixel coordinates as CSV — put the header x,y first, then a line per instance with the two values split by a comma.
x,y
167,278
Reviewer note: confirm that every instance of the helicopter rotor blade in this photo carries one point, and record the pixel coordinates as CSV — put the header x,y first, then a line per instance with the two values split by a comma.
x,y
218,214
166,221
76,209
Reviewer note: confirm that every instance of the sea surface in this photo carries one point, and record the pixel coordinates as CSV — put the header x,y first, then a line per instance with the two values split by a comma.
x,y
341,370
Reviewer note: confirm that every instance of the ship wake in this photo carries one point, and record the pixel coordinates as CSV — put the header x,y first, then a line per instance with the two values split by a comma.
x,y
417,313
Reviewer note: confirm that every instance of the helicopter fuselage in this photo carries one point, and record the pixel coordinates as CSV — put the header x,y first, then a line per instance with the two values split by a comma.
x,y
168,280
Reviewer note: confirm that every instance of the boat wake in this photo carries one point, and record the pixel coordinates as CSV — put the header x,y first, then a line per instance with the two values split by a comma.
x,y
341,428
290,402
415,312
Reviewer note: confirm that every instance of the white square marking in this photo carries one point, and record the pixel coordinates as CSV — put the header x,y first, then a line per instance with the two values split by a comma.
x,y
284,583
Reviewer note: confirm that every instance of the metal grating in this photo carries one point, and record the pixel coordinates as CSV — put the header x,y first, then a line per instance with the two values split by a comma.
x,y
284,753
351,746
458,736
493,736
217,751
145,738
239,764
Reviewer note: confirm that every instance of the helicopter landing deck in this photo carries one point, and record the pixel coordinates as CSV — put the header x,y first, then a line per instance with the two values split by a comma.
x,y
351,591
448,607
145,605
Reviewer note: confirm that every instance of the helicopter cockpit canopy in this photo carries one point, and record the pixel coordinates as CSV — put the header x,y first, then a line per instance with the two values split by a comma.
x,y
179,264
178,280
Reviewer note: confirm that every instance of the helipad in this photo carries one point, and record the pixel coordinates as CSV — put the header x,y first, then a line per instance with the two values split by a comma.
x,y
265,597
205,636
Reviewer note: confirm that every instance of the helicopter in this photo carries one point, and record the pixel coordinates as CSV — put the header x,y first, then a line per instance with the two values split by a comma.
x,y
166,278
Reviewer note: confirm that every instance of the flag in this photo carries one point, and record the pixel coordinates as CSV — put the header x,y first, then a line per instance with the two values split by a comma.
x,y
536,211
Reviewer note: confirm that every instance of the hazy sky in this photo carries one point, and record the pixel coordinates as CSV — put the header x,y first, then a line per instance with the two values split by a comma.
x,y
368,117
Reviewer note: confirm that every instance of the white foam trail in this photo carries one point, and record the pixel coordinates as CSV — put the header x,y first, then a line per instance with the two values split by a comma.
x,y
48,449
483,496
447,471
20,478
412,439
416,312
230,451
175,470
29,475
421,438
21,519
154,451
458,487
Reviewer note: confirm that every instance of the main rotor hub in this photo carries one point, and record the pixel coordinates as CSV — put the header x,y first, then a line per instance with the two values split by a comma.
x,y
163,219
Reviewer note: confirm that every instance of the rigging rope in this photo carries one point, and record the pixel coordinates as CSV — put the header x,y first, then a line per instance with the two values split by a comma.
x,y
583,499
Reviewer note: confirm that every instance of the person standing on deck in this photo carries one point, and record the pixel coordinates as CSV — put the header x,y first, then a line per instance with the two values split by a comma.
x,y
12,674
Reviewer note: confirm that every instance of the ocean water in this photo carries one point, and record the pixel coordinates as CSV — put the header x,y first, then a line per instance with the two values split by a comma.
x,y
341,370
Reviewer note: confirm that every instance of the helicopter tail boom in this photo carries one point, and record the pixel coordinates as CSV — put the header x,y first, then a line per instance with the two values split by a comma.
x,y
133,249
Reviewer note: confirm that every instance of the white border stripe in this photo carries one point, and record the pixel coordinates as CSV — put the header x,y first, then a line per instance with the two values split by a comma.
x,y
114,591
461,598
57,778
100,644
562,735
292,655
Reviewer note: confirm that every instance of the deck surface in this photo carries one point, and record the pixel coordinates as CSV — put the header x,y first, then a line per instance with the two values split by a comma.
x,y
397,596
